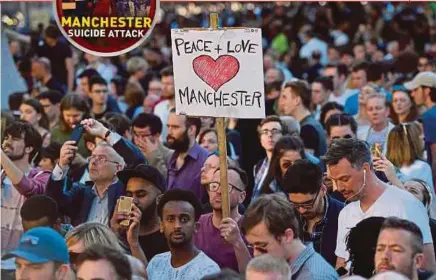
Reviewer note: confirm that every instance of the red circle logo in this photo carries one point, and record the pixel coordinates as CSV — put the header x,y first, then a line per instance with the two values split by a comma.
x,y
106,27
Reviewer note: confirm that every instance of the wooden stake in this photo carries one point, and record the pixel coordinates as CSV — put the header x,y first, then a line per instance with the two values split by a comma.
x,y
222,147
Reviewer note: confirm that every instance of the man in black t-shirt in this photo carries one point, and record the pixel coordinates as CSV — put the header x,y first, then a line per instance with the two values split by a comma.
x,y
295,100
144,183
60,56
41,71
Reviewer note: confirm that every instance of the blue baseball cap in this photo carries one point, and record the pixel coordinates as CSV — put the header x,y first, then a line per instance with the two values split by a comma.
x,y
41,245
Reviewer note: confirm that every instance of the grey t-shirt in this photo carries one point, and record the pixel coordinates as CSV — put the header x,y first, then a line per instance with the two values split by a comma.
x,y
160,268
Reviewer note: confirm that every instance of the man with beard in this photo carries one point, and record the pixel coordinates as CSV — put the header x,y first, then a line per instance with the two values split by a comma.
x,y
184,166
220,238
144,183
162,109
179,211
399,248
349,166
306,192
18,179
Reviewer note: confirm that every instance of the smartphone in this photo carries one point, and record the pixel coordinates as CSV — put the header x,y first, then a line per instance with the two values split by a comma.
x,y
77,133
377,150
125,205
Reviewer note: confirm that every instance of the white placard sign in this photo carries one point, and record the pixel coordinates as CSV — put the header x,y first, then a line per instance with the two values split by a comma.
x,y
219,73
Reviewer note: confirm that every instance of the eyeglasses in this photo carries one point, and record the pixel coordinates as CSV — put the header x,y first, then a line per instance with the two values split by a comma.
x,y
346,136
214,186
100,91
306,205
138,194
97,160
273,131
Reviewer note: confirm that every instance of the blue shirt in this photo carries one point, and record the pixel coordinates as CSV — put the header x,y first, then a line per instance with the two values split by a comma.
x,y
309,265
352,104
429,122
189,175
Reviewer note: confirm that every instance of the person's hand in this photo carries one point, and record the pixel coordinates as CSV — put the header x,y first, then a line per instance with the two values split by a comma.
x,y
146,145
95,128
68,152
133,230
384,165
116,219
230,231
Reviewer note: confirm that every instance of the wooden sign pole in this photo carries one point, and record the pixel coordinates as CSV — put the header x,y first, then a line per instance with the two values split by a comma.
x,y
222,147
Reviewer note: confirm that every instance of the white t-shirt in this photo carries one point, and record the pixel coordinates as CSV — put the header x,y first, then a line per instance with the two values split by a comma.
x,y
393,202
341,99
420,170
160,268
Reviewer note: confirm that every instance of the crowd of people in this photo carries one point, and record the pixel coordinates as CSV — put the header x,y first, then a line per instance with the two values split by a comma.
x,y
337,181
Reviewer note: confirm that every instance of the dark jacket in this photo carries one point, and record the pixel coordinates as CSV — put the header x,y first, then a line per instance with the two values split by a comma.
x,y
76,202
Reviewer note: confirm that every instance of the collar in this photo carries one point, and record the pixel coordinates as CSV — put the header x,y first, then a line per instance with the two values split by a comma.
x,y
94,186
302,258
195,151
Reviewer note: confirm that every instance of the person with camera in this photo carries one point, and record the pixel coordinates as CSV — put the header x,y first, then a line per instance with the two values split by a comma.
x,y
95,203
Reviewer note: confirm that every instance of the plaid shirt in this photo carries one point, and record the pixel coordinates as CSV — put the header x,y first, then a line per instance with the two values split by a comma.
x,y
318,229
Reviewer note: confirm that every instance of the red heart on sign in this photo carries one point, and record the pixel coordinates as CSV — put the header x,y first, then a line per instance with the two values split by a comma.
x,y
217,72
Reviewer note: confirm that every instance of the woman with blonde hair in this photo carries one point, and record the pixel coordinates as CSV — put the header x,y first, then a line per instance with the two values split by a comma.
x,y
87,234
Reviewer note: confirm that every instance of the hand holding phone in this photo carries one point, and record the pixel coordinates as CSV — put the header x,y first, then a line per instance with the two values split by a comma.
x,y
125,206
77,133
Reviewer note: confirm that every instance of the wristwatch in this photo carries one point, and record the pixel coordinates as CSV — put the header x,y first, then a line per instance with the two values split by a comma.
x,y
107,134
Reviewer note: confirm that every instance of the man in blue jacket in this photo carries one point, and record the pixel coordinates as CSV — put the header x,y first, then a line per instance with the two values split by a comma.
x,y
306,191
96,200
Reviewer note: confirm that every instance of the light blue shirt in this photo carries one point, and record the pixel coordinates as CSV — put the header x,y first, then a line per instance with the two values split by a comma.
x,y
99,211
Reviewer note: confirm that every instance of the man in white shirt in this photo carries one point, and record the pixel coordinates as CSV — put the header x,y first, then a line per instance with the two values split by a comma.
x,y
162,109
349,166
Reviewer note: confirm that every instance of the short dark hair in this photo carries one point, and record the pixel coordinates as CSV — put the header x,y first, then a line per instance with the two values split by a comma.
x,y
120,123
275,211
52,32
341,68
301,89
180,195
120,262
273,118
15,100
32,138
241,173
340,120
326,82
39,206
360,65
52,151
328,107
375,72
167,71
361,242
191,121
356,151
302,177
88,73
96,80
54,96
144,120
417,242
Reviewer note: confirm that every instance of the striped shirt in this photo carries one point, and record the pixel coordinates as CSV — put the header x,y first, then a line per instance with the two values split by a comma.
x,y
309,265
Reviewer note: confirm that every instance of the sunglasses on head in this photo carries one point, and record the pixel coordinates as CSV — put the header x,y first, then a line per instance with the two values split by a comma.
x,y
346,136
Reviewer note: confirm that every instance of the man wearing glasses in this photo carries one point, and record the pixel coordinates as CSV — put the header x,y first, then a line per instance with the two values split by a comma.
x,y
304,187
98,92
221,239
271,129
94,202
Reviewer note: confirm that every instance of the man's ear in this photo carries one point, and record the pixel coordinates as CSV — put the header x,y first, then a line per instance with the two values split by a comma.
x,y
242,196
324,189
90,146
196,227
288,236
62,271
419,261
28,150
161,228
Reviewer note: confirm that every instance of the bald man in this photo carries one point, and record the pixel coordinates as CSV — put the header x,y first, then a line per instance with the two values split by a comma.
x,y
94,201
221,239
